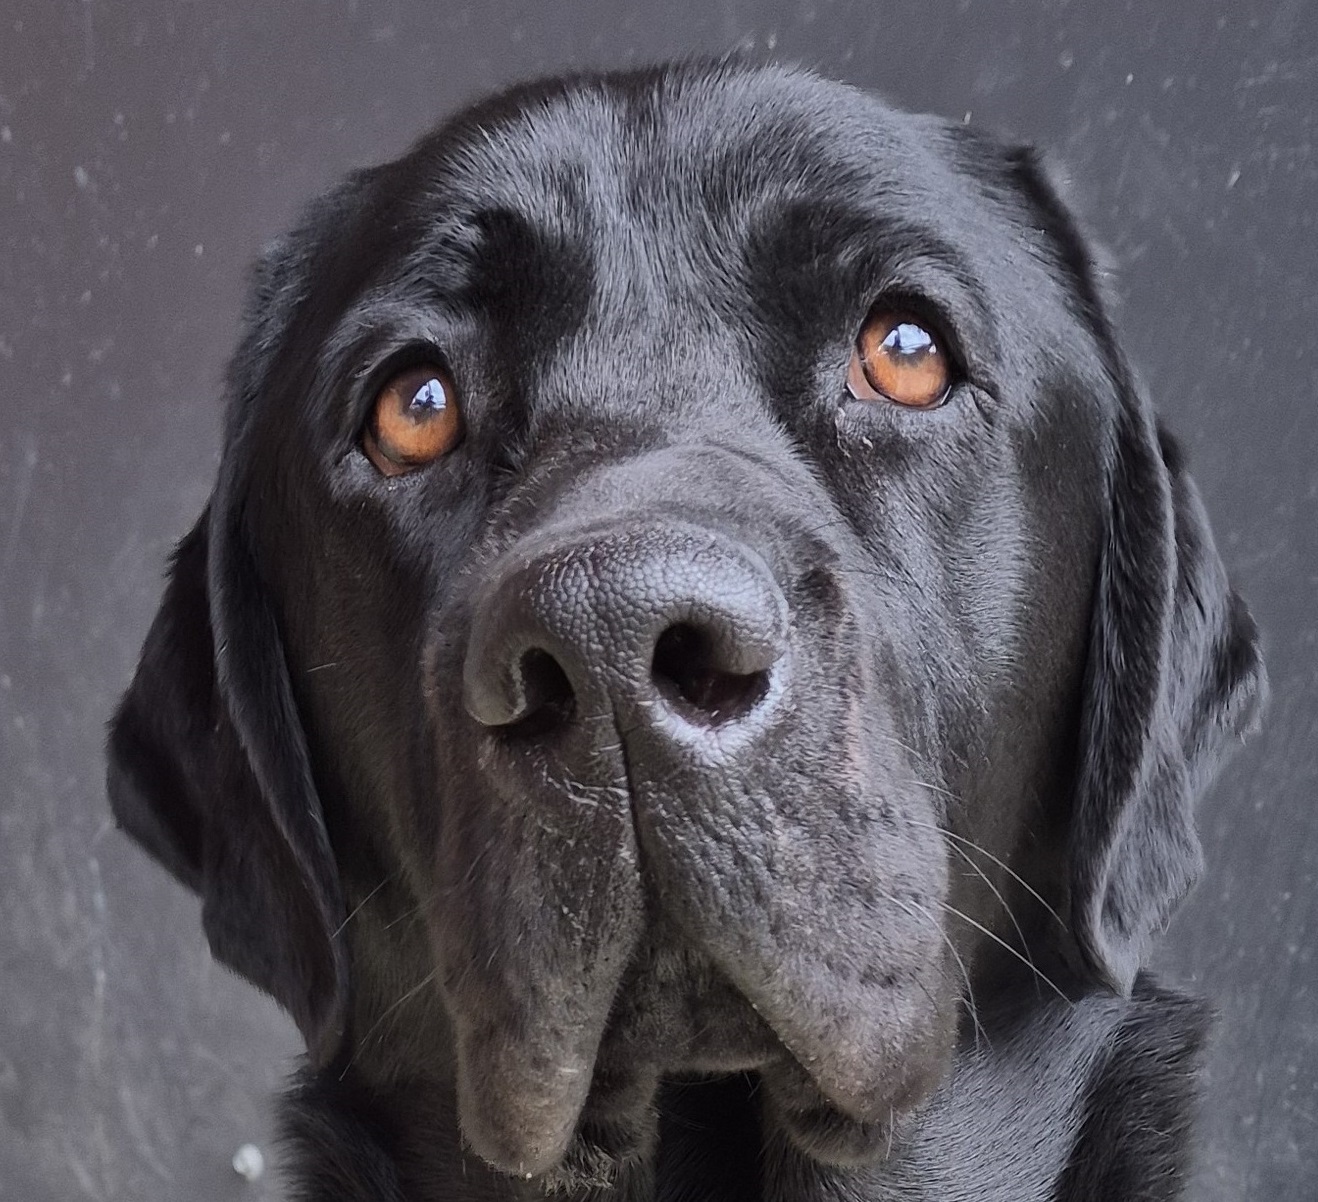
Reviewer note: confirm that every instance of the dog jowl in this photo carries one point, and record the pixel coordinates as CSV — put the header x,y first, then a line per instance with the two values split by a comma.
x,y
695,672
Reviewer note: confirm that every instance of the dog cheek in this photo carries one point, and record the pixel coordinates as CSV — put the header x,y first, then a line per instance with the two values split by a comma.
x,y
537,912
881,1039
822,906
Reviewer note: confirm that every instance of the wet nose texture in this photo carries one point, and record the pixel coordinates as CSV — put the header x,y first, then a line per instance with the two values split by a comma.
x,y
660,624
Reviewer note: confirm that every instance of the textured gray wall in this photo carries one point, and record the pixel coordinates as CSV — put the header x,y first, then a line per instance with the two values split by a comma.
x,y
149,147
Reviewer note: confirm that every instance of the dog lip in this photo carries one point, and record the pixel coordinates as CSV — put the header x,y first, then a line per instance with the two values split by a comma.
x,y
530,1124
517,1113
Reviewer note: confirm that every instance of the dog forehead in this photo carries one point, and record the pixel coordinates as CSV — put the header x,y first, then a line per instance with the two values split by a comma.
x,y
683,149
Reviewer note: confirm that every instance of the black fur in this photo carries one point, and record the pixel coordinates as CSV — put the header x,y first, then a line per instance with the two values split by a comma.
x,y
870,926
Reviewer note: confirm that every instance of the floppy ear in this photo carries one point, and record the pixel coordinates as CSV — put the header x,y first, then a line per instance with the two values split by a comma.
x,y
1173,677
1173,673
209,768
208,771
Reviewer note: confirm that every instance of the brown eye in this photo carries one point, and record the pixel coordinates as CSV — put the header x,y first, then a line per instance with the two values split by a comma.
x,y
415,420
897,359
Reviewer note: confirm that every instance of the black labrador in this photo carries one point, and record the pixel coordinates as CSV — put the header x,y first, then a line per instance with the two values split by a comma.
x,y
694,676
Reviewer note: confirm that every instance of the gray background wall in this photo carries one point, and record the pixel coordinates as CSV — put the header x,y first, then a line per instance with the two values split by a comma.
x,y
149,147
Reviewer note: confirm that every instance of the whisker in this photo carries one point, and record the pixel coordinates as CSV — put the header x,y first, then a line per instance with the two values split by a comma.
x,y
357,909
473,868
412,912
906,747
1047,980
1025,945
983,851
831,524
386,1013
951,947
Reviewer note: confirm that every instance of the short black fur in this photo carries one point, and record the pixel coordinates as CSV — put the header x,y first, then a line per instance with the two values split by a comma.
x,y
827,867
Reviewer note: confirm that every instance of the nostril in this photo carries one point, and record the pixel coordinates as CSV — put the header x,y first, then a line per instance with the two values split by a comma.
x,y
549,701
685,670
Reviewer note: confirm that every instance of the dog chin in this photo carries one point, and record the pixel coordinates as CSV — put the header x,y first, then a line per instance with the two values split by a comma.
x,y
617,1130
612,1143
823,1131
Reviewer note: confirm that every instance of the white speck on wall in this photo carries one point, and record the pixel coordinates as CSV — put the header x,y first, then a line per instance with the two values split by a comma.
x,y
248,1162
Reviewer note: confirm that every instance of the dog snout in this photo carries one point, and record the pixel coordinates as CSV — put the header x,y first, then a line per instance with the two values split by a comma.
x,y
662,623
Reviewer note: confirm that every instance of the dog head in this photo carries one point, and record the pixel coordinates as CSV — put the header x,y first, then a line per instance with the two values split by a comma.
x,y
691,556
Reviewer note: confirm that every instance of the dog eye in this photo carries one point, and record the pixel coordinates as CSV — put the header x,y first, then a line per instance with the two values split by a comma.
x,y
415,419
897,359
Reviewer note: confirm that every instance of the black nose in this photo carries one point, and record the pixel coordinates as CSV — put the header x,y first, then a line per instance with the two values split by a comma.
x,y
657,622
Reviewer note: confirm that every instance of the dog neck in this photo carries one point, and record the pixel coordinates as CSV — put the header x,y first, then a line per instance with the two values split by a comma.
x,y
1065,1101
1068,1101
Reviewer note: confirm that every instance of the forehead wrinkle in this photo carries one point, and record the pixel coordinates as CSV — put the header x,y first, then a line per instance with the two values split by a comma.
x,y
668,186
667,151
536,163
659,184
706,167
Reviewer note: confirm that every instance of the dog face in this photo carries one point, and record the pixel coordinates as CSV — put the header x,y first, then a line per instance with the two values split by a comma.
x,y
689,561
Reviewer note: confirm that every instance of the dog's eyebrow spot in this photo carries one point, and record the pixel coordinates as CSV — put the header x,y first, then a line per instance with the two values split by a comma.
x,y
531,278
